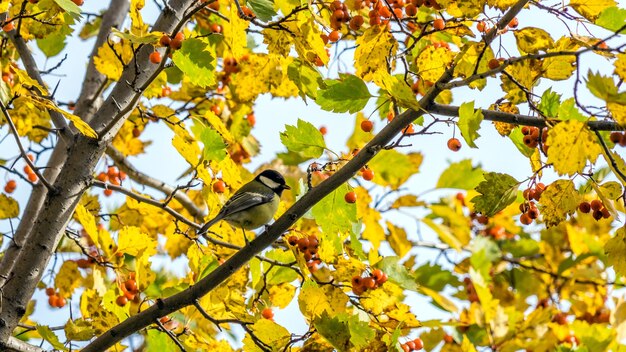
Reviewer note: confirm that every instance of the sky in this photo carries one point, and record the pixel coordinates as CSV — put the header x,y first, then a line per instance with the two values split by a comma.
x,y
494,153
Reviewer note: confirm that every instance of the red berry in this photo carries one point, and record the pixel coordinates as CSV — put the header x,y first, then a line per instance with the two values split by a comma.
x,y
596,204
267,313
367,125
350,197
165,40
251,119
293,240
493,64
50,291
333,36
219,186
368,175
121,301
419,344
584,207
8,27
514,23
481,26
597,214
369,282
216,28
155,57
454,144
323,130
78,2
61,302
525,219
439,24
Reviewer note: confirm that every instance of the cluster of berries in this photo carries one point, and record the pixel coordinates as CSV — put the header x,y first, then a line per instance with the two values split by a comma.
x,y
309,247
598,208
129,291
361,284
114,176
54,299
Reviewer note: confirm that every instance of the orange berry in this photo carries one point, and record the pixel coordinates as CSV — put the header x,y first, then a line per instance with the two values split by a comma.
x,y
596,204
53,300
481,26
356,22
448,338
411,345
525,219
454,144
419,344
333,36
165,40
293,240
83,263
78,2
219,186
130,285
8,27
616,137
122,175
176,44
61,302
368,175
251,119
350,197
50,291
323,130
216,28
439,24
410,10
32,177
405,347
267,313
493,64
367,125
129,295
384,12
108,192
246,11
121,301
514,23
30,157
155,57
369,282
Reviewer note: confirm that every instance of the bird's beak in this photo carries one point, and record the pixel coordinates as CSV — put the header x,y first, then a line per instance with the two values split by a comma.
x,y
286,187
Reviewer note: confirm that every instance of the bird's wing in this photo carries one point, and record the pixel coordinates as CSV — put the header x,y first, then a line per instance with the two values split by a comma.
x,y
240,201
245,200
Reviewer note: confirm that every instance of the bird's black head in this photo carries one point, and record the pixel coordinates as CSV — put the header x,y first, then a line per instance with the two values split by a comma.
x,y
274,180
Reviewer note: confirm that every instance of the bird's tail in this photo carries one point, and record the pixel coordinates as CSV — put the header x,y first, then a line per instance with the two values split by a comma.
x,y
205,228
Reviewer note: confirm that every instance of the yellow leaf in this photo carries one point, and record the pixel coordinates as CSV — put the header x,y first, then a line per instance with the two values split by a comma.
x,y
558,200
313,300
219,126
618,111
68,278
126,143
407,200
9,208
307,38
138,27
78,330
398,88
80,125
108,63
235,33
397,240
470,53
503,128
531,40
143,267
561,67
99,236
373,48
26,116
572,144
270,333
281,295
432,62
260,74
467,345
487,301
444,234
620,66
575,236
590,9
525,73
132,241
25,80
439,299
278,42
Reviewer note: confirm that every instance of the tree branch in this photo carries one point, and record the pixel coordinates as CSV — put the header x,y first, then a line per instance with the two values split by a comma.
x,y
15,344
124,165
518,119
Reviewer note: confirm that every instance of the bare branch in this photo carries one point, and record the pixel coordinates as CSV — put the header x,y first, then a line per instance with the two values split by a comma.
x,y
15,344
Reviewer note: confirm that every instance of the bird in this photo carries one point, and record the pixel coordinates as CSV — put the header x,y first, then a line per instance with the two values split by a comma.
x,y
253,205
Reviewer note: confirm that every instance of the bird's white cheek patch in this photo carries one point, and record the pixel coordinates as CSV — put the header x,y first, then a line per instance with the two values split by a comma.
x,y
269,183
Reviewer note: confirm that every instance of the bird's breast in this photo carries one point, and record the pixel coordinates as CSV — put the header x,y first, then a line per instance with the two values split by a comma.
x,y
262,215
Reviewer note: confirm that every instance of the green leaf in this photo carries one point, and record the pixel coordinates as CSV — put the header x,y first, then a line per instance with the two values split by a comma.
x,y
196,61
264,9
517,138
550,103
435,277
524,247
612,18
348,94
292,158
335,330
361,334
393,168
334,214
52,44
397,273
469,122
214,146
47,334
306,78
604,88
305,139
70,7
496,193
569,111
158,341
461,175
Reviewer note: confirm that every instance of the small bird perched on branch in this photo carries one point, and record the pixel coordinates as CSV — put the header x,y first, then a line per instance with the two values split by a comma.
x,y
254,204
